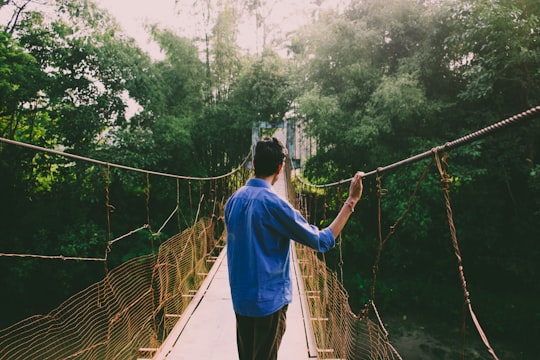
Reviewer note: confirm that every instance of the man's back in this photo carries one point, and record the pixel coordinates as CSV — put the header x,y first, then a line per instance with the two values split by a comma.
x,y
257,253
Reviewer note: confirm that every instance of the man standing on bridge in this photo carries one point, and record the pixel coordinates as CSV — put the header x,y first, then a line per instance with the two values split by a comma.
x,y
260,225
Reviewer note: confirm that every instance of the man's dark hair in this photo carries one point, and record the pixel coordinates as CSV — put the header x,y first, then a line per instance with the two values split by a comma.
x,y
269,154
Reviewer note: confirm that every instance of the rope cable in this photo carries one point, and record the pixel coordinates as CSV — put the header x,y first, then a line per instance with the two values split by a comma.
x,y
145,226
382,242
147,203
327,290
119,166
63,257
178,204
340,243
448,146
57,257
109,208
168,219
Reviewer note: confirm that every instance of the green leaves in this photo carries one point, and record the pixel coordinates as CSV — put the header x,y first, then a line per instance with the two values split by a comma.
x,y
499,48
263,89
21,79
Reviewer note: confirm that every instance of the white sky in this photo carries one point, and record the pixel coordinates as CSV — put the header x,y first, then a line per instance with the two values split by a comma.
x,y
134,14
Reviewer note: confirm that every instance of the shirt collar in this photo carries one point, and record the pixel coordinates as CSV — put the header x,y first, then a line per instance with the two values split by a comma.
x,y
256,182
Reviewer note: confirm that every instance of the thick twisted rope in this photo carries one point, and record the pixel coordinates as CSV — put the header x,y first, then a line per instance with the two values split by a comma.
x,y
448,146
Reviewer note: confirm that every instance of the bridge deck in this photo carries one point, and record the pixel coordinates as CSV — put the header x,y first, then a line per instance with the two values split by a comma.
x,y
207,328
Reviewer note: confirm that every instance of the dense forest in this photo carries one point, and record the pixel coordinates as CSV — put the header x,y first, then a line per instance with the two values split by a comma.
x,y
371,82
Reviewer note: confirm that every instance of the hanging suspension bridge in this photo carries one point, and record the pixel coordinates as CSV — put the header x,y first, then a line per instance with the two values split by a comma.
x,y
175,303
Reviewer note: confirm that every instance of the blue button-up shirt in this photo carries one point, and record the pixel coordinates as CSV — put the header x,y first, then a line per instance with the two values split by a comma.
x,y
260,225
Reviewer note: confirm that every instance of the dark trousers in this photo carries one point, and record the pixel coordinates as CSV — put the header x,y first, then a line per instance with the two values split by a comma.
x,y
259,338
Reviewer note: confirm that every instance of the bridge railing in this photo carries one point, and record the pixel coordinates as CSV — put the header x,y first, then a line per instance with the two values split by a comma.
x,y
129,312
339,333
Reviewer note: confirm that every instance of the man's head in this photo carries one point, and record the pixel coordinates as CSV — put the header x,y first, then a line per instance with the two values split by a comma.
x,y
269,155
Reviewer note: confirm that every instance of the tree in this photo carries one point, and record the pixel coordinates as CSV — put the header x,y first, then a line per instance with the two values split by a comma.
x,y
263,89
262,9
226,64
182,74
494,56
83,96
497,52
21,80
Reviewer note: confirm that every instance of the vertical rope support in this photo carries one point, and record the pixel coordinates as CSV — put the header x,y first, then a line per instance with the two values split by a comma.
x,y
101,291
312,206
147,193
178,204
223,190
108,208
325,204
147,200
213,216
213,193
445,184
155,273
324,213
340,243
375,269
201,189
190,198
382,242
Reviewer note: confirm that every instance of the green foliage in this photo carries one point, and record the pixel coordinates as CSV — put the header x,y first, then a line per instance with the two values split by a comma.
x,y
263,89
182,75
129,146
226,64
497,53
83,240
20,81
222,137
17,68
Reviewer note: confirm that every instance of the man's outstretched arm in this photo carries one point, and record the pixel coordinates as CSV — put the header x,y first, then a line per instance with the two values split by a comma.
x,y
355,193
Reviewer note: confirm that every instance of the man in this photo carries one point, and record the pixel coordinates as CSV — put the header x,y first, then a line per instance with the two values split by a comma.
x,y
260,226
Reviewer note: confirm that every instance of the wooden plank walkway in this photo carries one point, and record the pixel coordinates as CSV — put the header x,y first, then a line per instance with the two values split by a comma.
x,y
207,329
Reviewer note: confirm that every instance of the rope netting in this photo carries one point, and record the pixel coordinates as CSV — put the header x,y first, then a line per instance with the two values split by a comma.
x,y
339,333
